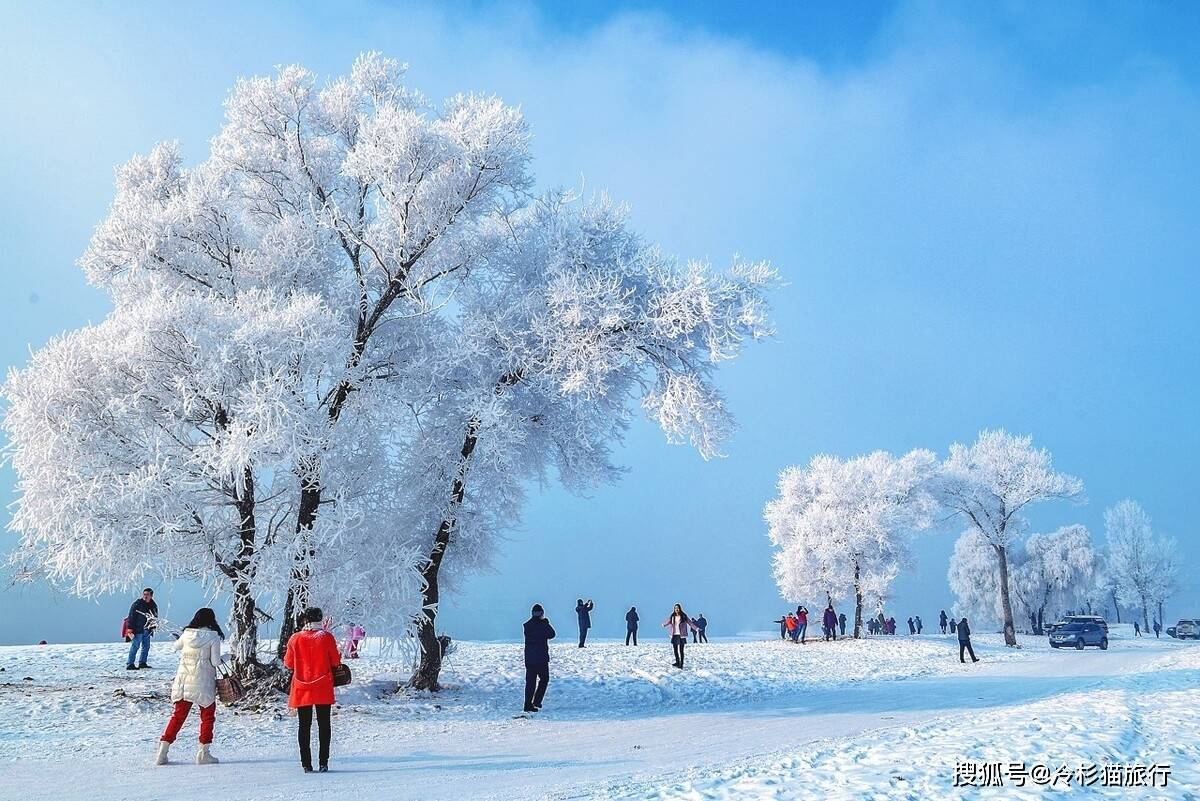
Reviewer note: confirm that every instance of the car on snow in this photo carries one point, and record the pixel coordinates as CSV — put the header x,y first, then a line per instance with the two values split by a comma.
x,y
1079,636
1069,619
1185,630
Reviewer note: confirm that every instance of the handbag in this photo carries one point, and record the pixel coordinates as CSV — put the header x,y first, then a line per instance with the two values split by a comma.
x,y
341,675
229,687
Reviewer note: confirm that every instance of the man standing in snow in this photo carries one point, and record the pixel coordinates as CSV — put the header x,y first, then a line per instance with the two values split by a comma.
x,y
912,627
1157,628
143,618
829,623
842,623
631,625
584,612
538,634
942,620
917,619
698,634
964,641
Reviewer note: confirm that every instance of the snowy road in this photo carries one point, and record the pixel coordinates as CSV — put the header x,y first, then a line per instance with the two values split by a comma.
x,y
660,734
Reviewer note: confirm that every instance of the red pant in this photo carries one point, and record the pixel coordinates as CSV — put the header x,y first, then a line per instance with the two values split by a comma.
x,y
208,716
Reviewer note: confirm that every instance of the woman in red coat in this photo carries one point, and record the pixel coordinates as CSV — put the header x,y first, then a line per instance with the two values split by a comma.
x,y
312,654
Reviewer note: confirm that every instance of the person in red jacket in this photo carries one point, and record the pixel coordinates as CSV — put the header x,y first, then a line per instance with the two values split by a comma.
x,y
312,653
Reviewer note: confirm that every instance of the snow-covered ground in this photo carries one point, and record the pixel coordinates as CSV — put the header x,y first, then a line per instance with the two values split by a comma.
x,y
882,718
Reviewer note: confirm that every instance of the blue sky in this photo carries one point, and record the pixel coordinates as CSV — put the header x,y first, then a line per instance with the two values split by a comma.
x,y
986,217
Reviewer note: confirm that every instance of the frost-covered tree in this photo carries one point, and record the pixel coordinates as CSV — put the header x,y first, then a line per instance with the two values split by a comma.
x,y
1143,567
989,484
973,578
464,337
842,526
1055,569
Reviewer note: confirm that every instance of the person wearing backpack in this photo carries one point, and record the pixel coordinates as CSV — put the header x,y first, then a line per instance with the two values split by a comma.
x,y
199,649
312,654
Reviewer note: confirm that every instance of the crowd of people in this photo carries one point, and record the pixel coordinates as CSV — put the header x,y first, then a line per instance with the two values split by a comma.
x,y
313,656
793,626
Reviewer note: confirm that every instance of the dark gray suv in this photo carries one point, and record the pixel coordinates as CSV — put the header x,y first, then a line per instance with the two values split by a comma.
x,y
1079,636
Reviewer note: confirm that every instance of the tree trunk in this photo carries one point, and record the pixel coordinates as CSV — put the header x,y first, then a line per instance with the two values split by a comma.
x,y
858,601
245,625
1010,631
1145,614
297,595
1160,616
429,667
1116,606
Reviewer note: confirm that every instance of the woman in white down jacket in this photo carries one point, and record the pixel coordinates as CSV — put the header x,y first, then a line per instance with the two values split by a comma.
x,y
195,683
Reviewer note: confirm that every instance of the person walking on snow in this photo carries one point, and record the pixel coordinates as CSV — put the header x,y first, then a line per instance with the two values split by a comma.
x,y
842,623
912,627
698,634
942,621
1137,630
538,634
917,618
801,623
677,624
355,636
1157,628
584,612
631,625
312,654
142,620
964,641
195,683
829,623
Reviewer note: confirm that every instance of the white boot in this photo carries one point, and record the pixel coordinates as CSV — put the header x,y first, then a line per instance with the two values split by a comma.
x,y
161,758
205,758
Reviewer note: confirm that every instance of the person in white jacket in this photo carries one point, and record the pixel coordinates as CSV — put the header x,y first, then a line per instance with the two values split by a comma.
x,y
195,683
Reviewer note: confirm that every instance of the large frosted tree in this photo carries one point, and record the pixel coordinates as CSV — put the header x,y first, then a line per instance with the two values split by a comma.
x,y
989,484
1058,568
842,526
452,337
1142,566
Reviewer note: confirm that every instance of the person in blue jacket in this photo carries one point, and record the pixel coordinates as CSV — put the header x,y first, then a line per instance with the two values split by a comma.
x,y
698,634
584,612
143,619
631,624
538,634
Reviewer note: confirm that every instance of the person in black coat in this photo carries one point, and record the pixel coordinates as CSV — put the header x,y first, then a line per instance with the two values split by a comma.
x,y
538,634
631,623
964,641
584,612
942,620
142,620
912,627
698,634
842,623
782,626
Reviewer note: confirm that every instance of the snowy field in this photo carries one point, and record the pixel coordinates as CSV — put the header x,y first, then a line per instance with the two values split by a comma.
x,y
881,718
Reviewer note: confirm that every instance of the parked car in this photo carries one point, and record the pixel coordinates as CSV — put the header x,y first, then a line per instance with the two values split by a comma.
x,y
1186,629
1068,619
1079,636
